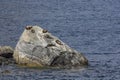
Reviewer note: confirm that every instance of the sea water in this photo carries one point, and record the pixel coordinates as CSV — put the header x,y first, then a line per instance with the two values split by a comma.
x,y
89,26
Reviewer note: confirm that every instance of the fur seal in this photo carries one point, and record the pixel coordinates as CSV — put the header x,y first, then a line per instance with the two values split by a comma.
x,y
44,31
28,27
48,36
33,31
50,45
58,42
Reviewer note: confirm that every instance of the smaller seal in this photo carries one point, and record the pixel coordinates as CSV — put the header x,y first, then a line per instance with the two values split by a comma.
x,y
48,36
33,31
28,27
49,45
58,42
44,31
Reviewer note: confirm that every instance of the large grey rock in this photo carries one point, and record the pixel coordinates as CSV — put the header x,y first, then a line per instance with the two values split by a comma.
x,y
37,47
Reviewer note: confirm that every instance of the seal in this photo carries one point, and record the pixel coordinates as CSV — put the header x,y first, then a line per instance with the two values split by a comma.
x,y
48,36
44,31
33,31
28,27
49,45
58,42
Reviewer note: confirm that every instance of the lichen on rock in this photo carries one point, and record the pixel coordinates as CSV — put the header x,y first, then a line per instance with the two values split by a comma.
x,y
37,47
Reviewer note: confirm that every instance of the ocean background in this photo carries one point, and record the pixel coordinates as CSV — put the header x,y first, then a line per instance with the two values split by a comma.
x,y
89,26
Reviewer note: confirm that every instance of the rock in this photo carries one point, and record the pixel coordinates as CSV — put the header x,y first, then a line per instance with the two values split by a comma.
x,y
6,61
6,72
37,47
6,55
6,51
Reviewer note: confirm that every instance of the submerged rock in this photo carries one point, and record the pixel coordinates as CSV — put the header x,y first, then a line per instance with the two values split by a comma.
x,y
37,47
5,72
6,61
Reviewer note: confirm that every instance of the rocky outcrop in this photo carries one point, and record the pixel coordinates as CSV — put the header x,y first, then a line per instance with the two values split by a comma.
x,y
6,61
6,55
37,47
6,51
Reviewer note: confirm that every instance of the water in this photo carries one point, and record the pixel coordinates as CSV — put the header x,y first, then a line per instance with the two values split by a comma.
x,y
89,26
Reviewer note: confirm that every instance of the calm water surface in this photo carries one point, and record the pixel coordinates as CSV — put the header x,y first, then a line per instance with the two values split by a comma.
x,y
89,26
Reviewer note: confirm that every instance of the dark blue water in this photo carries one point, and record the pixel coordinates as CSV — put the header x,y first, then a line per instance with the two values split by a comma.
x,y
89,26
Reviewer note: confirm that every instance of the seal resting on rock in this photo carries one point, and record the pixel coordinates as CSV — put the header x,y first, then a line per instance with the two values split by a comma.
x,y
38,48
